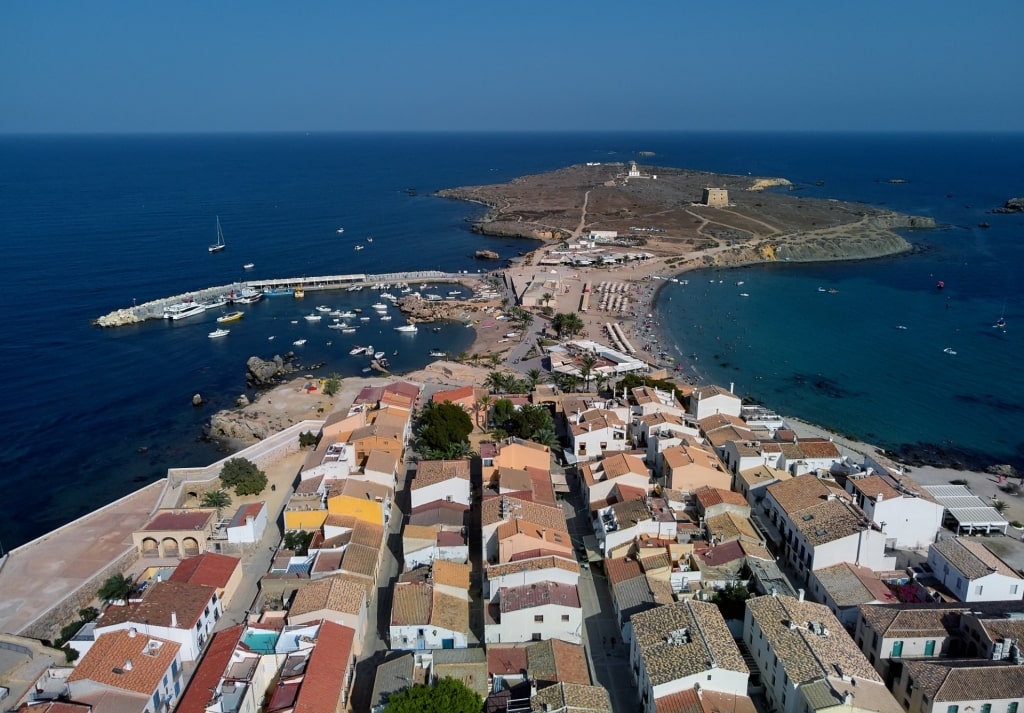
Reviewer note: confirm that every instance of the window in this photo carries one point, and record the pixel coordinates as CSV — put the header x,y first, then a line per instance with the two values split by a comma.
x,y
897,649
565,617
536,637
986,708
952,709
1012,708
977,590
538,618
1013,589
929,647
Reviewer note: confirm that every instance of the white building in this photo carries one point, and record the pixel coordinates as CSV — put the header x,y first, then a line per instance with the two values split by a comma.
x,y
709,400
424,618
247,524
617,525
909,516
598,478
446,480
528,572
172,611
535,612
797,644
594,433
973,573
681,646
958,686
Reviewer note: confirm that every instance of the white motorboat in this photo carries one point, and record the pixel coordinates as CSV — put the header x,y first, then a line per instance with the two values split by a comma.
x,y
364,319
348,330
339,325
313,317
187,309
359,247
356,350
347,314
219,333
249,296
299,342
437,353
379,306
378,355
385,318
323,308
407,328
219,245
453,293
431,297
340,231
248,266
949,350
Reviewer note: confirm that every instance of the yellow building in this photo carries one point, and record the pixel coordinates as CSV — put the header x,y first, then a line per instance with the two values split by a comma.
x,y
364,500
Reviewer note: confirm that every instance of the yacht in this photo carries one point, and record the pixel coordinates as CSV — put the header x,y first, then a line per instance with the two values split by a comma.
x,y
299,342
183,310
379,306
357,350
219,333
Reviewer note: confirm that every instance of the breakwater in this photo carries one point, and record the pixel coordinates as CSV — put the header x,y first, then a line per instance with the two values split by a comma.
x,y
154,309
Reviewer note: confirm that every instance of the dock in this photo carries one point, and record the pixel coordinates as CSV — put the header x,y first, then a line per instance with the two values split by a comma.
x,y
154,309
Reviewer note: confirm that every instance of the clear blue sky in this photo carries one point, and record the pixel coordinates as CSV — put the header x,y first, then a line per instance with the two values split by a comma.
x,y
114,66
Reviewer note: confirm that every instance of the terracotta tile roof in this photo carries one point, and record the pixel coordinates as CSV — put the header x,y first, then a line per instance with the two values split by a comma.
x,y
339,593
466,665
806,655
426,533
105,663
620,569
211,569
506,660
439,512
309,486
556,660
454,395
404,388
381,462
535,595
670,654
531,529
799,493
966,681
451,573
541,486
432,472
754,477
973,559
346,521
633,596
411,603
533,555
819,448
721,420
630,512
360,559
244,512
543,515
328,561
368,534
829,521
703,701
365,490
162,600
730,526
849,585
720,436
447,538
325,677
910,621
178,520
707,496
572,698
621,493
619,464
449,612
209,672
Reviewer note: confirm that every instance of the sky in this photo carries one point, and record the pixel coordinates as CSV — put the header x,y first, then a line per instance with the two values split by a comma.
x,y
561,65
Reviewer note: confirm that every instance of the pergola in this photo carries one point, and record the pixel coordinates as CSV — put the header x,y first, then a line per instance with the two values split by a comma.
x,y
969,512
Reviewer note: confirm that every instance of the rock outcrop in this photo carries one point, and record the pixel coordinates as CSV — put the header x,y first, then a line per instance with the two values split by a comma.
x,y
118,318
1014,205
237,426
260,372
487,255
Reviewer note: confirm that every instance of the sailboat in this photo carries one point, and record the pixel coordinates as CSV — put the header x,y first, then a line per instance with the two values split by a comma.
x,y
219,245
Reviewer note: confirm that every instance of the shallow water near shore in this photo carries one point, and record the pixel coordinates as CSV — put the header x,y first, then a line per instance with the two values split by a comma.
x,y
92,223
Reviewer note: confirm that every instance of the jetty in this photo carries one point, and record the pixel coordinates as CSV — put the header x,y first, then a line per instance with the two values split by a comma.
x,y
154,309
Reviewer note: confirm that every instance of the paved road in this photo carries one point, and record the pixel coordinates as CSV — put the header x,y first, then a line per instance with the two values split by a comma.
x,y
607,656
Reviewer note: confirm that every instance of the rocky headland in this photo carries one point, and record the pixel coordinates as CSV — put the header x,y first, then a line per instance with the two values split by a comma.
x,y
660,211
1014,205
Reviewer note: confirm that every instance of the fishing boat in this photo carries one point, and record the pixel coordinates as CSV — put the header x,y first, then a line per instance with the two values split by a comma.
x,y
248,266
230,316
219,245
407,328
299,292
299,342
219,333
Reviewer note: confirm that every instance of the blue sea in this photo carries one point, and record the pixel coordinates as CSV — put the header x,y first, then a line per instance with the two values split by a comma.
x,y
92,223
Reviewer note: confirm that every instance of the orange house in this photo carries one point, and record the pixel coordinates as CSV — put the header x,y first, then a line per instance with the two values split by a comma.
x,y
519,454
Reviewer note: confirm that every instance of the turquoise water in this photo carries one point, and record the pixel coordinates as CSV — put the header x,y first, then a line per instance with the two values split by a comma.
x,y
262,642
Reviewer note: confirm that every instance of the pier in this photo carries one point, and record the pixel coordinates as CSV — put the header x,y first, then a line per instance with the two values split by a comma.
x,y
154,309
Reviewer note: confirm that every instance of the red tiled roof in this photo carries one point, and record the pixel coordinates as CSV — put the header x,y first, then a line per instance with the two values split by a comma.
x,y
325,676
708,496
163,601
536,595
509,660
105,663
183,520
208,674
211,569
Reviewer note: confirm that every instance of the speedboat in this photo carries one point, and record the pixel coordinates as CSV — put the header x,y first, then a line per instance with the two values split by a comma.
x,y
364,319
356,350
299,342
407,328
744,294
436,353
219,333
340,231
313,317
230,317
359,247
378,355
323,308
348,330
385,318
949,350
248,266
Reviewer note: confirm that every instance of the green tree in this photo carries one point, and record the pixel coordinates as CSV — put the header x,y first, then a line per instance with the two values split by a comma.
x,y
88,614
219,499
533,377
587,368
244,476
493,360
443,424
446,696
496,381
483,406
308,439
298,541
502,413
732,601
332,385
115,587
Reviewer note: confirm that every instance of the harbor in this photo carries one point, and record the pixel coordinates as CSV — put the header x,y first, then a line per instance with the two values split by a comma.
x,y
158,309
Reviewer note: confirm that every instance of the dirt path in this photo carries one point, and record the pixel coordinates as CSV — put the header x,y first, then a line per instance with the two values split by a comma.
x,y
583,217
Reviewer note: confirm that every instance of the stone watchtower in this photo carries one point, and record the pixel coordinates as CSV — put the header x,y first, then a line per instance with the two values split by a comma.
x,y
715,197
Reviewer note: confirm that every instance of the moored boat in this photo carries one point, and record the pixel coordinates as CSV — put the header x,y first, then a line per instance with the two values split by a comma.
x,y
299,342
186,309
230,316
407,328
219,333
219,245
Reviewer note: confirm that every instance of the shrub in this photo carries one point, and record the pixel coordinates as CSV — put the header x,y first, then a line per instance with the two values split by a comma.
x,y
308,439
243,476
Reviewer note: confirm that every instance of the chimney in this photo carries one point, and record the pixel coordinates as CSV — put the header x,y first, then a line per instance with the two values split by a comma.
x,y
132,632
731,385
879,498
800,595
127,665
174,619
775,592
848,699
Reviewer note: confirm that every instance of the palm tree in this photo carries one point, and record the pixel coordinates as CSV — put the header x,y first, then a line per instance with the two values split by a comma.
x,y
533,377
601,380
475,358
495,381
461,357
573,324
545,436
493,359
569,383
115,587
484,404
547,297
219,499
587,368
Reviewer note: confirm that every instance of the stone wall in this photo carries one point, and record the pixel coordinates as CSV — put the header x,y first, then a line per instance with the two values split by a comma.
x,y
48,626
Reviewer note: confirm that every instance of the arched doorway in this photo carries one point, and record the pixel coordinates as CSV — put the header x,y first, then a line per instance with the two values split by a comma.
x,y
169,547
